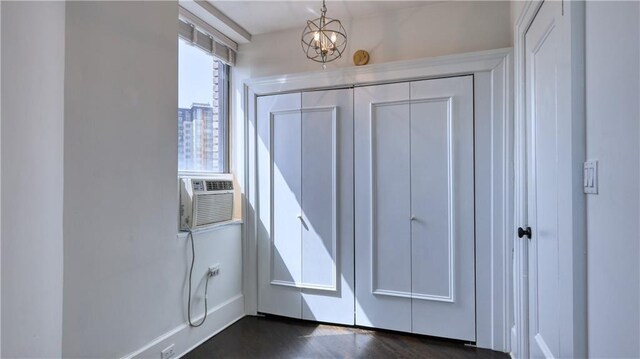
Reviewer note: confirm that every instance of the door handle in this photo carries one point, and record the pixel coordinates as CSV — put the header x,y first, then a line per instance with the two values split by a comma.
x,y
524,232
304,224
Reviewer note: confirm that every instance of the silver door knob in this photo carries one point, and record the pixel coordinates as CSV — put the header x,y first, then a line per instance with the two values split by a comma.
x,y
413,218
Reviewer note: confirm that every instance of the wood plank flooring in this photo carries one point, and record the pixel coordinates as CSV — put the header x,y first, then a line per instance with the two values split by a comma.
x,y
276,337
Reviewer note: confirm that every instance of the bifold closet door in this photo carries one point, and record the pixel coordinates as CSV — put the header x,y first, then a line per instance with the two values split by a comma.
x,y
305,170
415,268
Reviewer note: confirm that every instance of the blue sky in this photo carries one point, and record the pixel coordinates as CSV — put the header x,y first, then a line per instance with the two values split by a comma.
x,y
195,75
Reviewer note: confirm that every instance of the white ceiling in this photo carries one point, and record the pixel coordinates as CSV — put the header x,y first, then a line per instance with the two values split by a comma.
x,y
259,17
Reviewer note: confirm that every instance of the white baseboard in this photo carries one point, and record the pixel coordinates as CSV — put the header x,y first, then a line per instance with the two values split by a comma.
x,y
186,338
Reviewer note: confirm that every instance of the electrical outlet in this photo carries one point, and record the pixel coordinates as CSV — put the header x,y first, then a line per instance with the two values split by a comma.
x,y
169,352
214,270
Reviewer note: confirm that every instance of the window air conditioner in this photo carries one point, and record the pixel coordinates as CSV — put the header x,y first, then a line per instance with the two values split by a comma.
x,y
204,202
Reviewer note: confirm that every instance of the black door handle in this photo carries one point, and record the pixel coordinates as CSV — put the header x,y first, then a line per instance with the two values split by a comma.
x,y
524,232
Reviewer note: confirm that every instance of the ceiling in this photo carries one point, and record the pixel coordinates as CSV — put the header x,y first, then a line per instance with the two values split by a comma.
x,y
259,17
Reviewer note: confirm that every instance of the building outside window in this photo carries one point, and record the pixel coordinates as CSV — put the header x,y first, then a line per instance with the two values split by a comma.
x,y
203,120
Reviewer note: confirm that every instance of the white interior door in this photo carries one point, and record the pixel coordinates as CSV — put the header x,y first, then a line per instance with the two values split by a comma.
x,y
542,44
442,208
415,269
305,188
280,211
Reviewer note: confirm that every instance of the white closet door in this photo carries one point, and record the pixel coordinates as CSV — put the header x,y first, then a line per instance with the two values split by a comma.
x,y
327,206
414,191
305,189
382,211
280,192
442,208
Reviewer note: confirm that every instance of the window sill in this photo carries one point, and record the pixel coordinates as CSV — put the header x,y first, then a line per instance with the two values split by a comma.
x,y
213,227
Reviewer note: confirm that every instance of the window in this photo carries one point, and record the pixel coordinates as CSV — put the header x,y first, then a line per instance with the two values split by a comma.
x,y
203,121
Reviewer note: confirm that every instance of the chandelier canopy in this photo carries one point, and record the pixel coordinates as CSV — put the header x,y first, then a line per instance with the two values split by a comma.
x,y
324,39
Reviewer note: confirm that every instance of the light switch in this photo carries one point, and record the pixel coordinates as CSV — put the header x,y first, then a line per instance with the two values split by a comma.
x,y
591,177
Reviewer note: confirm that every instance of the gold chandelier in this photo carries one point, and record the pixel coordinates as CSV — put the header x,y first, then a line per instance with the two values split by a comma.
x,y
324,39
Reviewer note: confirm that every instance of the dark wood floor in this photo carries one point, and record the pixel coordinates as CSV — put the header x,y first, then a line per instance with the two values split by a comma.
x,y
276,337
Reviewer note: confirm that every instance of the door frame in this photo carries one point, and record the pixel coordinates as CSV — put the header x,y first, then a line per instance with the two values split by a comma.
x,y
493,133
573,327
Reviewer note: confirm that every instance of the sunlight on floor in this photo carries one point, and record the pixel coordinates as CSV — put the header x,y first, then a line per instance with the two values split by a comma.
x,y
327,330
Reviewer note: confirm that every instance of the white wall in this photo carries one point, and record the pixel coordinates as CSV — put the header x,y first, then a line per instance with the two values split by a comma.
x,y
33,46
125,269
425,31
613,118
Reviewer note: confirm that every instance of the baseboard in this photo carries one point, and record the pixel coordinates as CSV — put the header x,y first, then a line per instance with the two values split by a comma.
x,y
186,338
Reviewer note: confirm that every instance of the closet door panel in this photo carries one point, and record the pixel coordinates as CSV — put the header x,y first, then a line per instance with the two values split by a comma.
x,y
391,246
382,184
319,195
279,190
327,206
431,190
287,197
442,203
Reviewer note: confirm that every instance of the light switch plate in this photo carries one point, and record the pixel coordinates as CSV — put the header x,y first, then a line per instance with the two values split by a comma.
x,y
591,177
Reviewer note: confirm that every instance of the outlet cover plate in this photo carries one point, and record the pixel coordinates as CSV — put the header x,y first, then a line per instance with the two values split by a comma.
x,y
169,352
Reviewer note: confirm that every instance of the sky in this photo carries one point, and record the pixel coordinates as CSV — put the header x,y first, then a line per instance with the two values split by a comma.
x,y
195,75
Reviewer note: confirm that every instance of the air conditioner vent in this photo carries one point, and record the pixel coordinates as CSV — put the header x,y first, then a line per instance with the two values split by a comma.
x,y
219,185
212,208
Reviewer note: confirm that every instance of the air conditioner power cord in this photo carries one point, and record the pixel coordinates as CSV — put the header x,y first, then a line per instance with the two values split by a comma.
x,y
206,285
